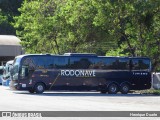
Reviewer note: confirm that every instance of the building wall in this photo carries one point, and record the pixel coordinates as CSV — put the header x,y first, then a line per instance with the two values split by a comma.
x,y
9,48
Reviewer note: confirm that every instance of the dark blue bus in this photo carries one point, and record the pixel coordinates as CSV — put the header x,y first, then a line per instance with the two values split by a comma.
x,y
80,72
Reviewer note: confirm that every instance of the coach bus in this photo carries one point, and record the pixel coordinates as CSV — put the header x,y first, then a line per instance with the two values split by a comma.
x,y
80,72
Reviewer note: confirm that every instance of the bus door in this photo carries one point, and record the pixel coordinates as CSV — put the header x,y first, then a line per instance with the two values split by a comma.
x,y
25,77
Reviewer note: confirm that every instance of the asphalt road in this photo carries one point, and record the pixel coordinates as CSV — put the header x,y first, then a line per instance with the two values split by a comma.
x,y
75,101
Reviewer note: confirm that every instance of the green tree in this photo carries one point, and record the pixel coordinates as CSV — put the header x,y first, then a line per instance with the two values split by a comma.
x,y
8,9
37,26
135,25
67,25
122,27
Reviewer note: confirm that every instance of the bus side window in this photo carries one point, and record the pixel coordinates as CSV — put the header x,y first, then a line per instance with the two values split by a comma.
x,y
79,63
140,64
130,65
135,64
123,64
98,63
84,63
110,63
60,62
144,64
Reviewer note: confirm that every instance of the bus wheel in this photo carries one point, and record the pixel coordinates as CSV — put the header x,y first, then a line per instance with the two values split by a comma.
x,y
112,88
39,88
31,90
124,88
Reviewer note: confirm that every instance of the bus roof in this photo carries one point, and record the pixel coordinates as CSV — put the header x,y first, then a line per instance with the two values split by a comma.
x,y
80,55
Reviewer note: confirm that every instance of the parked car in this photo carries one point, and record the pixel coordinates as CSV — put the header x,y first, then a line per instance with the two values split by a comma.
x,y
6,73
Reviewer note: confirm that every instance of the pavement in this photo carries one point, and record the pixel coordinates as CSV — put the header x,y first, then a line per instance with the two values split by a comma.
x,y
76,101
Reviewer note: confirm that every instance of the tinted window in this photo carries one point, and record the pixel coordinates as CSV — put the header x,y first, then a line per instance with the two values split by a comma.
x,y
103,63
61,62
98,63
38,62
49,62
80,62
111,63
123,64
141,64
31,62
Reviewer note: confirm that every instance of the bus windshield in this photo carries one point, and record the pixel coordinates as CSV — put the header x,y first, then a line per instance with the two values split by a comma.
x,y
15,68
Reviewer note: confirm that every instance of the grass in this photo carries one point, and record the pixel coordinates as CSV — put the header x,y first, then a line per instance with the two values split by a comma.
x,y
150,92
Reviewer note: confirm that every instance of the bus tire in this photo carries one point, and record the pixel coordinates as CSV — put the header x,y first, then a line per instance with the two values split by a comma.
x,y
112,88
31,91
124,88
39,88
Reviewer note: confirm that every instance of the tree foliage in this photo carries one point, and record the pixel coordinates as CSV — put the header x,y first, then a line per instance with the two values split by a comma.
x,y
8,9
111,27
